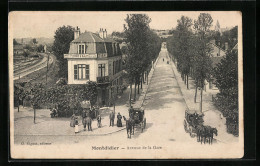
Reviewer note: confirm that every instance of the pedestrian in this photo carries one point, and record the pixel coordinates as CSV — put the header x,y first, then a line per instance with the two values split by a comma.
x,y
53,112
112,118
119,120
163,59
84,115
99,121
76,128
72,121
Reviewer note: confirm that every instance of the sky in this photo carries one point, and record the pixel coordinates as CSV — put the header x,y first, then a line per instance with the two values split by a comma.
x,y
36,24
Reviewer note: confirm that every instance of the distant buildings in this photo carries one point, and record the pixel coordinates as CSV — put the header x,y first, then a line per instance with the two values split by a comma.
x,y
18,49
95,57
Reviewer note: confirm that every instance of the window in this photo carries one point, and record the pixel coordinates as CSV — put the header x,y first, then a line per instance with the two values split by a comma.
x,y
101,70
81,72
81,49
75,72
87,72
114,67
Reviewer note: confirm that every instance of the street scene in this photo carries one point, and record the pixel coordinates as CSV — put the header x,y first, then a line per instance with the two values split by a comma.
x,y
172,89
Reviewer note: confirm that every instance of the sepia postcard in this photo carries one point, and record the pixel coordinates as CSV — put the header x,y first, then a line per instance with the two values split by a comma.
x,y
126,85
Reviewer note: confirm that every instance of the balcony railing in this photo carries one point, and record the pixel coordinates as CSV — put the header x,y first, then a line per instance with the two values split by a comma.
x,y
103,80
80,55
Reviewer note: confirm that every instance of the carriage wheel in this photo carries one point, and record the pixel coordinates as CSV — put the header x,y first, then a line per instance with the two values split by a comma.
x,y
142,126
185,126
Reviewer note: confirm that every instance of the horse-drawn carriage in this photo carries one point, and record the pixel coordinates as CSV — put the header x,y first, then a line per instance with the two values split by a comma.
x,y
138,117
193,118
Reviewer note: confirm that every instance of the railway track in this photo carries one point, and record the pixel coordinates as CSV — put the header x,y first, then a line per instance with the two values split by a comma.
x,y
34,68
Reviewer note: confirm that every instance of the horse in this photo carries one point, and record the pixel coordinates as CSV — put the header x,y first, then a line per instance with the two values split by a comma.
x,y
129,126
87,121
200,131
210,133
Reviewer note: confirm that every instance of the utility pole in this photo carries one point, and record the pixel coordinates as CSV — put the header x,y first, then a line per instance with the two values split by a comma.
x,y
19,70
47,66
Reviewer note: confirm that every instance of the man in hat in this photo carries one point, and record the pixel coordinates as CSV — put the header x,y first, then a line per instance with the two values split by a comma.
x,y
112,118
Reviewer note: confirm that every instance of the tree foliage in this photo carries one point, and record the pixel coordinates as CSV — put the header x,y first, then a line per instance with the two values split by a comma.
x,y
143,44
15,42
40,48
66,97
226,74
62,38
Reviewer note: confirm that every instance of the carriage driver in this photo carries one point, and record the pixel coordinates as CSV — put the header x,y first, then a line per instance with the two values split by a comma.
x,y
131,110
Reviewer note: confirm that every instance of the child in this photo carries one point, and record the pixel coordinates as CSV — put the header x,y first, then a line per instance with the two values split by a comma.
x,y
76,125
99,121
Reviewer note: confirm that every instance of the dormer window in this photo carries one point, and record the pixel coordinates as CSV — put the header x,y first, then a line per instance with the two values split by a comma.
x,y
81,49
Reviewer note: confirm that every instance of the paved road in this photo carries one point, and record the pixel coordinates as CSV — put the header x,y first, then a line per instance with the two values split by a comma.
x,y
33,68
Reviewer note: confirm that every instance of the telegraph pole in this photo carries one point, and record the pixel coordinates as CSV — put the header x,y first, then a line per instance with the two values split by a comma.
x,y
47,66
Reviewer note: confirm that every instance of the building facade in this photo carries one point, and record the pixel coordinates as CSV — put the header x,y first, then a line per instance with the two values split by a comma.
x,y
94,57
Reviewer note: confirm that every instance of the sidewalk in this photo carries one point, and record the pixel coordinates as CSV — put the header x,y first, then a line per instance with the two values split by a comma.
x,y
212,115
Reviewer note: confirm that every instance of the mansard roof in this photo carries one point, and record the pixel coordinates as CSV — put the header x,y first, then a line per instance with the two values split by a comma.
x,y
90,37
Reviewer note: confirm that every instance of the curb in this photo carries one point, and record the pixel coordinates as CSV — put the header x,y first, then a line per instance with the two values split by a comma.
x,y
149,81
73,134
172,63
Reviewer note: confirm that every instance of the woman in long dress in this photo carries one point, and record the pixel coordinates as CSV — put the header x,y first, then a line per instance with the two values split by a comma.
x,y
72,121
76,125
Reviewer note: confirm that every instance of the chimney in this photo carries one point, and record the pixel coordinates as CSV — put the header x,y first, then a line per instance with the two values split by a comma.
x,y
226,46
76,33
101,33
105,33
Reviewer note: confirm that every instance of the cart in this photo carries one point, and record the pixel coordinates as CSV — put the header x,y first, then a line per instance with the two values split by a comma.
x,y
137,114
193,118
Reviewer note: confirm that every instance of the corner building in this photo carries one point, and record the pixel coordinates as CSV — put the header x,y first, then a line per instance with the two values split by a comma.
x,y
94,57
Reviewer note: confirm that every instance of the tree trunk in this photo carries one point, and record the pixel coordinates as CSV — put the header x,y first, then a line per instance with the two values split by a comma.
x,y
34,115
135,92
184,76
138,85
147,77
142,81
195,97
201,92
18,105
187,81
130,95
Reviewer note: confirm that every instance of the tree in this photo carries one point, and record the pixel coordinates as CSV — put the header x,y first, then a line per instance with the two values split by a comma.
x,y
202,61
40,48
136,31
185,49
63,36
226,74
26,54
15,42
34,41
143,46
38,97
18,94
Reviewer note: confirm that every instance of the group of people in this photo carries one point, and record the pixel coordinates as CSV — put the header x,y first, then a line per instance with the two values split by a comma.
x,y
87,120
112,119
167,61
